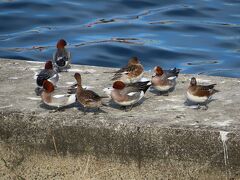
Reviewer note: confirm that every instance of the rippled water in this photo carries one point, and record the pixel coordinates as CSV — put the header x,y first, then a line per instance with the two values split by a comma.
x,y
197,36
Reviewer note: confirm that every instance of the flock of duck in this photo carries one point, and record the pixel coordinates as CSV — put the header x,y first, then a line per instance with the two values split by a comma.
x,y
127,88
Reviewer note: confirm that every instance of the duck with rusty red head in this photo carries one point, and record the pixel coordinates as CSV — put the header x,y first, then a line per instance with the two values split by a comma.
x,y
56,97
127,95
48,73
62,57
87,98
131,73
200,94
164,80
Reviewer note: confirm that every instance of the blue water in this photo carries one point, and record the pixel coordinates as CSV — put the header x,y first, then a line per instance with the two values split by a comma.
x,y
200,37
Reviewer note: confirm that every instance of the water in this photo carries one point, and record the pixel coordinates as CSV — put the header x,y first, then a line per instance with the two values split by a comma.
x,y
200,37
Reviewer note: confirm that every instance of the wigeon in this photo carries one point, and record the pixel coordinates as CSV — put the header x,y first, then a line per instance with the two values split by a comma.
x,y
163,81
55,98
131,73
87,98
129,94
62,57
48,73
200,93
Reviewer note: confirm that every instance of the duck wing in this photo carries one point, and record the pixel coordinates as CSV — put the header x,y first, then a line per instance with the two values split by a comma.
x,y
124,70
43,75
138,86
206,87
90,96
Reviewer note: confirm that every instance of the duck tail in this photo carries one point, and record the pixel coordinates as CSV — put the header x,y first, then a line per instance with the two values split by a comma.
x,y
72,89
215,91
110,72
211,86
116,76
143,86
176,71
146,88
40,80
102,97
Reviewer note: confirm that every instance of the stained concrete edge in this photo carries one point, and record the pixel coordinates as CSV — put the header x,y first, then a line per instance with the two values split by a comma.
x,y
144,135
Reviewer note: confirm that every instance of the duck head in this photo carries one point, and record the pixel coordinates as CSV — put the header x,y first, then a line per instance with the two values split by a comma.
x,y
61,44
133,61
158,70
48,86
78,78
48,65
193,81
118,85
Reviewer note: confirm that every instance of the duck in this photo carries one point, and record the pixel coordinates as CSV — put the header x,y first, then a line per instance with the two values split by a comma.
x,y
200,93
131,73
48,73
55,97
62,57
87,98
164,80
128,94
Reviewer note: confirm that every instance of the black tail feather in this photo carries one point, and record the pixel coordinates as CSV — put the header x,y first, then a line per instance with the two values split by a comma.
x,y
211,86
143,86
176,71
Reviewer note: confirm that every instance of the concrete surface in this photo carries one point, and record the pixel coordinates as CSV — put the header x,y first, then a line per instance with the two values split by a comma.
x,y
159,138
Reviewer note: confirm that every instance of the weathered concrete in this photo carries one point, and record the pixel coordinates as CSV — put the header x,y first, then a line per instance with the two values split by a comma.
x,y
161,137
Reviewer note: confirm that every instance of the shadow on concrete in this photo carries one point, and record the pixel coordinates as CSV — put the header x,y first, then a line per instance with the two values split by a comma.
x,y
61,108
114,105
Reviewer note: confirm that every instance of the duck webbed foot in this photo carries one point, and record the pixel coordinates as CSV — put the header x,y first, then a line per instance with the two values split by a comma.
x,y
97,111
205,107
202,107
84,110
128,108
166,93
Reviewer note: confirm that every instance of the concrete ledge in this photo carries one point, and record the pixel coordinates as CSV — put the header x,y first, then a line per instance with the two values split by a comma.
x,y
161,137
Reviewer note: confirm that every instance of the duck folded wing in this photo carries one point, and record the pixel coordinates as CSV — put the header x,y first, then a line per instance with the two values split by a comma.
x,y
43,75
90,95
139,86
207,87
134,95
127,69
124,71
72,89
117,76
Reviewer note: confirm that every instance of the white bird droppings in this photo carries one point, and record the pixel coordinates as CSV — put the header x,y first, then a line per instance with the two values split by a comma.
x,y
13,78
34,98
223,123
6,106
70,83
108,91
35,62
82,71
224,138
